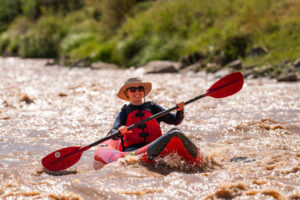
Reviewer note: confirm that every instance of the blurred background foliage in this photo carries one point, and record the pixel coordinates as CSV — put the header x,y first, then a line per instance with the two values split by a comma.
x,y
134,32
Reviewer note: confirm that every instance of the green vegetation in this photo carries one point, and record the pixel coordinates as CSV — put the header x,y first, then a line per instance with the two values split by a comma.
x,y
134,32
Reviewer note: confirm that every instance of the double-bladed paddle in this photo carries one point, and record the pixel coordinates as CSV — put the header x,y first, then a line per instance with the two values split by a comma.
x,y
66,157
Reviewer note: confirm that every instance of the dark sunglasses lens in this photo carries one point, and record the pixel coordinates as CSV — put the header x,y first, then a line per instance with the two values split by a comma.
x,y
140,88
132,89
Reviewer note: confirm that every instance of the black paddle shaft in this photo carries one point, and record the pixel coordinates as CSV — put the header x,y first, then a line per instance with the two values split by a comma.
x,y
53,161
162,113
157,115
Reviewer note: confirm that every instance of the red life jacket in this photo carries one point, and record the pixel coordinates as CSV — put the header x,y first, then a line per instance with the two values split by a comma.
x,y
145,133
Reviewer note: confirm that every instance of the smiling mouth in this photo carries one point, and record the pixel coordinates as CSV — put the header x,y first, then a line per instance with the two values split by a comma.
x,y
137,96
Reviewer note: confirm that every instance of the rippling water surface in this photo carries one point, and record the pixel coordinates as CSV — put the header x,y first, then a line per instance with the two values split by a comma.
x,y
251,141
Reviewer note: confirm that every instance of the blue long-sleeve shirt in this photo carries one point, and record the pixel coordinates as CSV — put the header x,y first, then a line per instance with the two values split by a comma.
x,y
169,118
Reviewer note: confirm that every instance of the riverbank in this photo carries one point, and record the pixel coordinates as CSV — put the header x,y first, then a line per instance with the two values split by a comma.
x,y
283,72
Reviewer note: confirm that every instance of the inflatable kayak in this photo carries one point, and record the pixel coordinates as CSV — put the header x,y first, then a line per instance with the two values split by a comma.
x,y
172,142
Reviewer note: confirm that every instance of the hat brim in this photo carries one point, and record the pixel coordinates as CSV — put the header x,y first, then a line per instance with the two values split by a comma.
x,y
122,92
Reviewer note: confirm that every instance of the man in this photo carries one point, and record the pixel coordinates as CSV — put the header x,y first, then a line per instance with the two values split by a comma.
x,y
134,90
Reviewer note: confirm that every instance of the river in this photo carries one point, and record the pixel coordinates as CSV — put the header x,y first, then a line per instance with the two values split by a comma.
x,y
251,140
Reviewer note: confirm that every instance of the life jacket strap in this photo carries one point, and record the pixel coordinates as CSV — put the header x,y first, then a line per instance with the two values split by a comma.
x,y
142,126
144,135
139,114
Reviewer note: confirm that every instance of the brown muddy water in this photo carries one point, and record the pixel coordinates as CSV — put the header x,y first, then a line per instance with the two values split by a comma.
x,y
251,141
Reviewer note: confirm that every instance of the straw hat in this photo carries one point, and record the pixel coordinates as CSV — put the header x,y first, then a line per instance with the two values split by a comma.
x,y
133,82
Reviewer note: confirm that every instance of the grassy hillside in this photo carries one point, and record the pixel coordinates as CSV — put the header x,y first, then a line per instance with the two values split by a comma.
x,y
133,32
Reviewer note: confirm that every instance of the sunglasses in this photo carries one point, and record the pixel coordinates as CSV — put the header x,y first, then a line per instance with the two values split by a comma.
x,y
134,89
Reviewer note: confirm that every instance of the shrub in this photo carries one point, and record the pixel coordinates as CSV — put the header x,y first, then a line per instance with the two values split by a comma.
x,y
234,47
160,48
114,12
31,8
9,9
128,49
10,40
104,52
85,50
60,7
74,40
43,39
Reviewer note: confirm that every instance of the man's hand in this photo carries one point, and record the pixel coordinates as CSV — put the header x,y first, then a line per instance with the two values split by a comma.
x,y
123,130
180,106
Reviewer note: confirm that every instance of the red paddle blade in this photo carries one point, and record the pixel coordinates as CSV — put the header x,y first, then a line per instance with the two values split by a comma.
x,y
226,86
62,159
